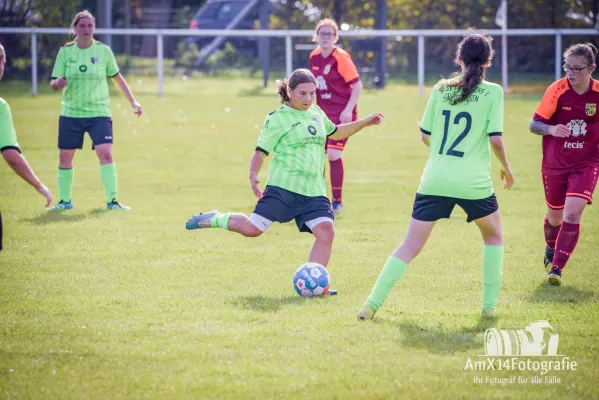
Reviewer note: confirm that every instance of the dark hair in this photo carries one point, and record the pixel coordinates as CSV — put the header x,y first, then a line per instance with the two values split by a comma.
x,y
476,52
298,77
588,51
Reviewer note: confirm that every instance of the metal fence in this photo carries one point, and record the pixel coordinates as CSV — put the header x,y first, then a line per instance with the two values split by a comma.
x,y
289,36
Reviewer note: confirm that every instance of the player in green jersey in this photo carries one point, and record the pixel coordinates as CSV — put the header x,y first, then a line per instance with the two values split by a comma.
x,y
9,147
464,114
296,134
80,72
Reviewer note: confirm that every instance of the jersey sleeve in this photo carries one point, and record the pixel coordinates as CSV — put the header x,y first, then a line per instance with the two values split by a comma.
x,y
270,134
346,67
548,104
495,123
59,65
112,68
428,119
8,136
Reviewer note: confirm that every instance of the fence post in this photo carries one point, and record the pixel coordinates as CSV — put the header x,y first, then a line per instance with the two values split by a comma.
x,y
558,55
160,62
420,64
288,56
34,63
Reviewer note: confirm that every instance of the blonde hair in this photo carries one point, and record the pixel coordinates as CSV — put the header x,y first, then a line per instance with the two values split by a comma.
x,y
330,23
78,17
2,52
298,77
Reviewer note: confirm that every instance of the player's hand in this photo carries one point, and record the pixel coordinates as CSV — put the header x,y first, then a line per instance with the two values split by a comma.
x,y
507,176
137,108
559,131
374,119
60,83
42,189
345,117
254,181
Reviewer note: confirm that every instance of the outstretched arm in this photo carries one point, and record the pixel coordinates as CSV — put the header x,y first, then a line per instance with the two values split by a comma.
x,y
255,166
121,83
346,130
19,164
346,114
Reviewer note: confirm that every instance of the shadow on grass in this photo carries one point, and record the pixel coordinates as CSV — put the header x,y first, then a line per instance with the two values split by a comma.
x,y
55,217
98,211
443,340
546,293
267,304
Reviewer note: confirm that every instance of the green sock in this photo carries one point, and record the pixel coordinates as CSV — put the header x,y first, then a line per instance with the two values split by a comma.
x,y
65,184
492,274
109,180
221,221
389,276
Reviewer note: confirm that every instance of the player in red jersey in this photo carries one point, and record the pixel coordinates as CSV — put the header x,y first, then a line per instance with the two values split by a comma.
x,y
337,92
568,121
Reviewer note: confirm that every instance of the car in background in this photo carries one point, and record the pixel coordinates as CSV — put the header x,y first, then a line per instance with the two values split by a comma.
x,y
217,14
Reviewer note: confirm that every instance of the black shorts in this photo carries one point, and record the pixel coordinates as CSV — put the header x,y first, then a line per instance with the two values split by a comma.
x,y
282,206
433,208
72,130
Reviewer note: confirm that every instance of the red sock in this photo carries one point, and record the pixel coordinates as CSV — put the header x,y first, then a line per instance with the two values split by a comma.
x,y
566,243
551,233
337,178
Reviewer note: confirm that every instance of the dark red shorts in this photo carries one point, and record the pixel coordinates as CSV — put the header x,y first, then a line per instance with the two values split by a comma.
x,y
336,144
574,184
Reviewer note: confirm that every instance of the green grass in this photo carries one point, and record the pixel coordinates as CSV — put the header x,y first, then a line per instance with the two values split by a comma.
x,y
130,305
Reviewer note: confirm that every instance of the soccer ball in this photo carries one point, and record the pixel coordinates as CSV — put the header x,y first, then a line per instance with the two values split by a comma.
x,y
311,279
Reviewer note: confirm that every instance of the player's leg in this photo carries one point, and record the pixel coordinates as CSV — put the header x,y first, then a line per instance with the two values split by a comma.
x,y
337,172
324,234
0,231
427,210
70,138
270,208
556,187
100,131
581,186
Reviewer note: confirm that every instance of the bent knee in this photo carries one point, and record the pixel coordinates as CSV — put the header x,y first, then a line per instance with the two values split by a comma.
x,y
334,154
325,232
572,217
252,231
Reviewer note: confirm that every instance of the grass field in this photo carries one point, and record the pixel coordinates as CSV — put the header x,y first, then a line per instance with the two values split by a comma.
x,y
131,305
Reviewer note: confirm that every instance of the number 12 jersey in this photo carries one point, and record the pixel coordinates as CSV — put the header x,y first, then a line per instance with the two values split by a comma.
x,y
459,162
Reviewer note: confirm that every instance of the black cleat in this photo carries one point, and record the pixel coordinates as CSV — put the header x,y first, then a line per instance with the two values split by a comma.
x,y
548,258
332,292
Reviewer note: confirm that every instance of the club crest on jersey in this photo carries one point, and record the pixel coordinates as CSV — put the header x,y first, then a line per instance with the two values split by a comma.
x,y
590,109
94,60
327,69
312,130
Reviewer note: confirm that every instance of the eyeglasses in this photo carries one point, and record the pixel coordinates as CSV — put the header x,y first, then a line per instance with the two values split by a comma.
x,y
326,34
575,70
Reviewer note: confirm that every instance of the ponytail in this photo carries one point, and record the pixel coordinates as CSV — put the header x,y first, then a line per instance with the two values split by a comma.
x,y
282,91
473,76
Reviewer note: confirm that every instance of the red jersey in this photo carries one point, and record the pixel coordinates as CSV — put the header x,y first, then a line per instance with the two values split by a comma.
x,y
335,76
562,105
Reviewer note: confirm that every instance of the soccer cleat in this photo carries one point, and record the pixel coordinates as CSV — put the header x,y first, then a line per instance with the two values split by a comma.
x,y
488,312
62,205
548,258
337,207
332,292
201,221
115,205
366,312
555,277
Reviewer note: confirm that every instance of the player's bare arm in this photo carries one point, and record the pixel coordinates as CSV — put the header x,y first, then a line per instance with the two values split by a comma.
x,y
426,139
543,129
346,115
346,130
499,150
58,84
255,166
121,83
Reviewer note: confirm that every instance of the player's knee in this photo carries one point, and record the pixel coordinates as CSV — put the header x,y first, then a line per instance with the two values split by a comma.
x,y
572,216
334,154
325,232
252,231
65,159
105,157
